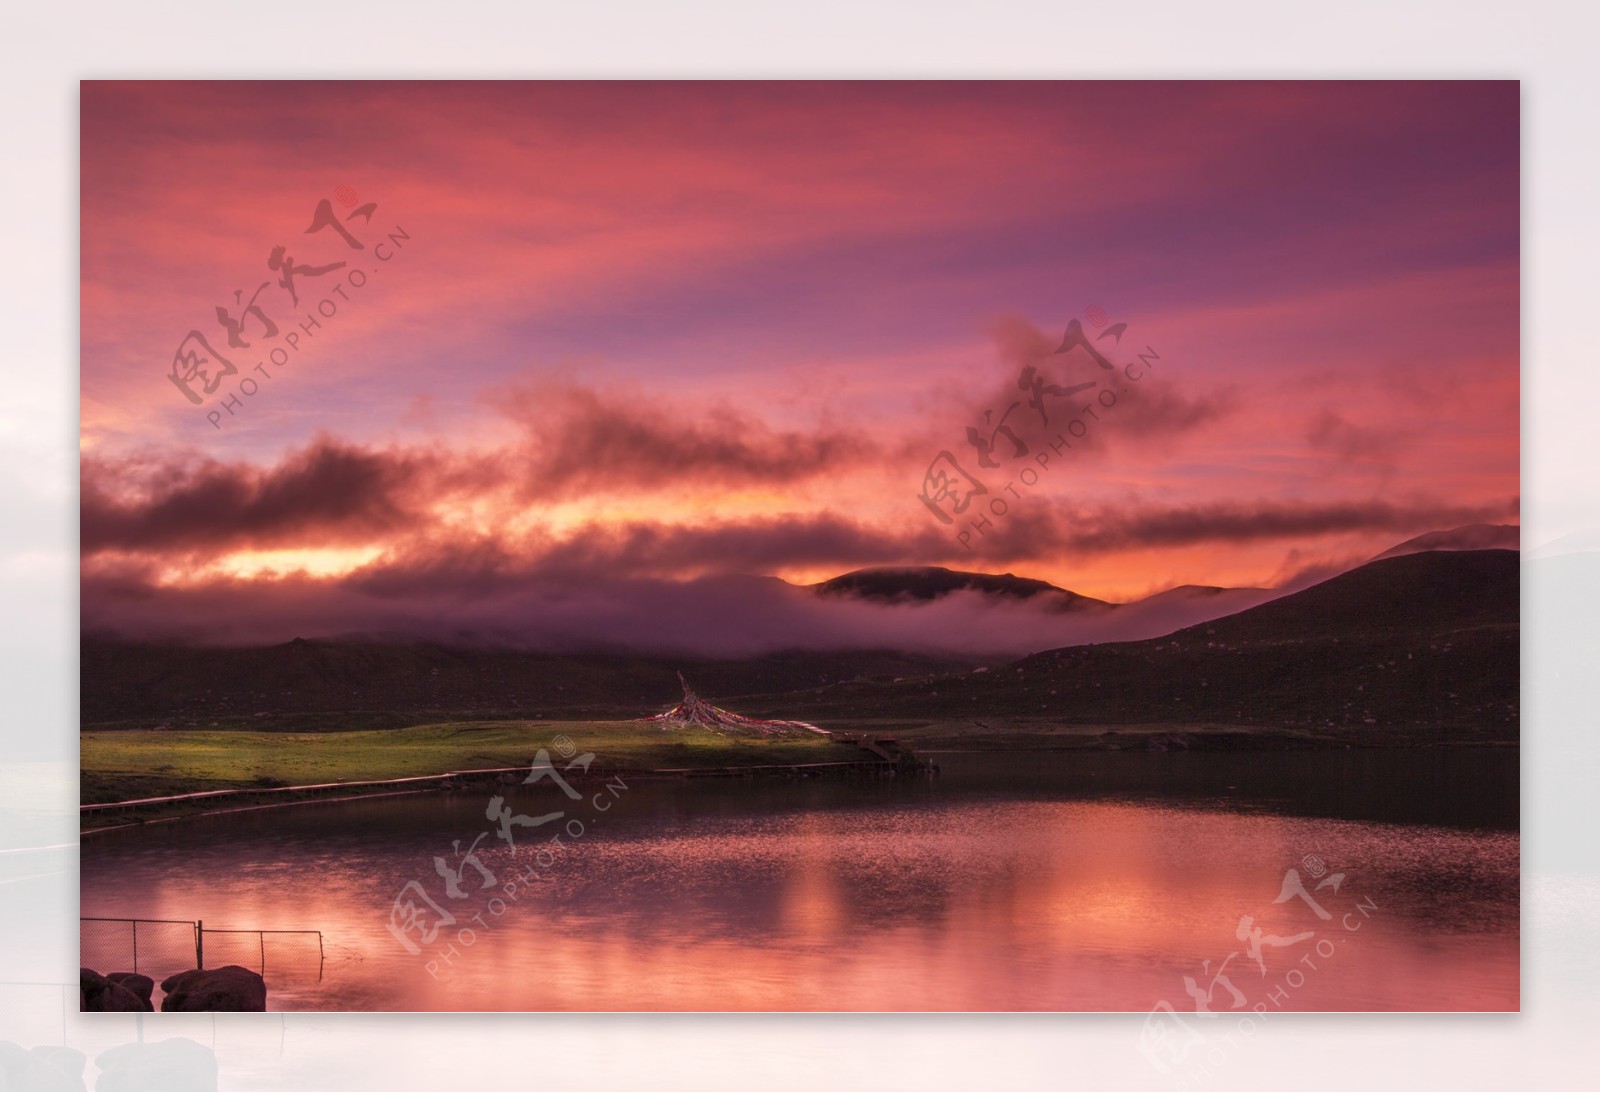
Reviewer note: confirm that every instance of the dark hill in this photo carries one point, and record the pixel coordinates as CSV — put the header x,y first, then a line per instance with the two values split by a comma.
x,y
1417,648
921,583
1439,590
373,684
1414,648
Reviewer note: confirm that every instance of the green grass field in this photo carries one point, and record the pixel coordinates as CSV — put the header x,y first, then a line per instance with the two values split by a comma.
x,y
138,763
126,764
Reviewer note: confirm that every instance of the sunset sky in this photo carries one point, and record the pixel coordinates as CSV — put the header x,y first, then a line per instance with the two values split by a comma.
x,y
635,347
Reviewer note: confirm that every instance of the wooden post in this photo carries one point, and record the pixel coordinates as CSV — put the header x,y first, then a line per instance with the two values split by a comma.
x,y
199,944
136,945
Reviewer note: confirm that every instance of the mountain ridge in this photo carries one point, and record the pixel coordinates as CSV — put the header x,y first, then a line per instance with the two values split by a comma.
x,y
904,584
1423,646
1427,640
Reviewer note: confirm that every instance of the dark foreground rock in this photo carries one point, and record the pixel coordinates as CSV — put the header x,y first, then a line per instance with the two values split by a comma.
x,y
141,985
177,1065
101,994
229,989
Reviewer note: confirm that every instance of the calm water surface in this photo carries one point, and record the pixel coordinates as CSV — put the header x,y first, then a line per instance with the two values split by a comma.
x,y
1044,881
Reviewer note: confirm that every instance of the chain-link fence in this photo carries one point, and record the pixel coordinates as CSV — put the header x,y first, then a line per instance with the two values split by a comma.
x,y
162,947
279,955
154,947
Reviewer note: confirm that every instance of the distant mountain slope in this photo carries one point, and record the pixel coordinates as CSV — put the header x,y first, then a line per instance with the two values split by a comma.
x,y
1471,537
1411,593
1207,600
918,583
1419,647
1425,644
911,584
1194,591
372,684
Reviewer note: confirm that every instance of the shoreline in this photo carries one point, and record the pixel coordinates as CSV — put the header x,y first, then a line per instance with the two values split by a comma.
x,y
141,809
1150,740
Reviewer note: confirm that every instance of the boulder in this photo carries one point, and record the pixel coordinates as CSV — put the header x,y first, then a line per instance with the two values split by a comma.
x,y
229,989
141,985
176,1065
98,994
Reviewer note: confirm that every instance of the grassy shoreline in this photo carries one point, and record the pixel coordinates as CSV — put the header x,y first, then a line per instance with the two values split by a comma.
x,y
125,764
120,765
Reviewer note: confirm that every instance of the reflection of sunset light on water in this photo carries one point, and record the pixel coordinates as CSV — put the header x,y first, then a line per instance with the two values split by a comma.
x,y
1003,905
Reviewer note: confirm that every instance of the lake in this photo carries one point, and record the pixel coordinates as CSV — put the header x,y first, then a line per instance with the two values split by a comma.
x,y
1012,881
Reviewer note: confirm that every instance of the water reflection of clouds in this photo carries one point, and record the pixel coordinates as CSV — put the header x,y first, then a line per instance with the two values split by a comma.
x,y
1031,904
